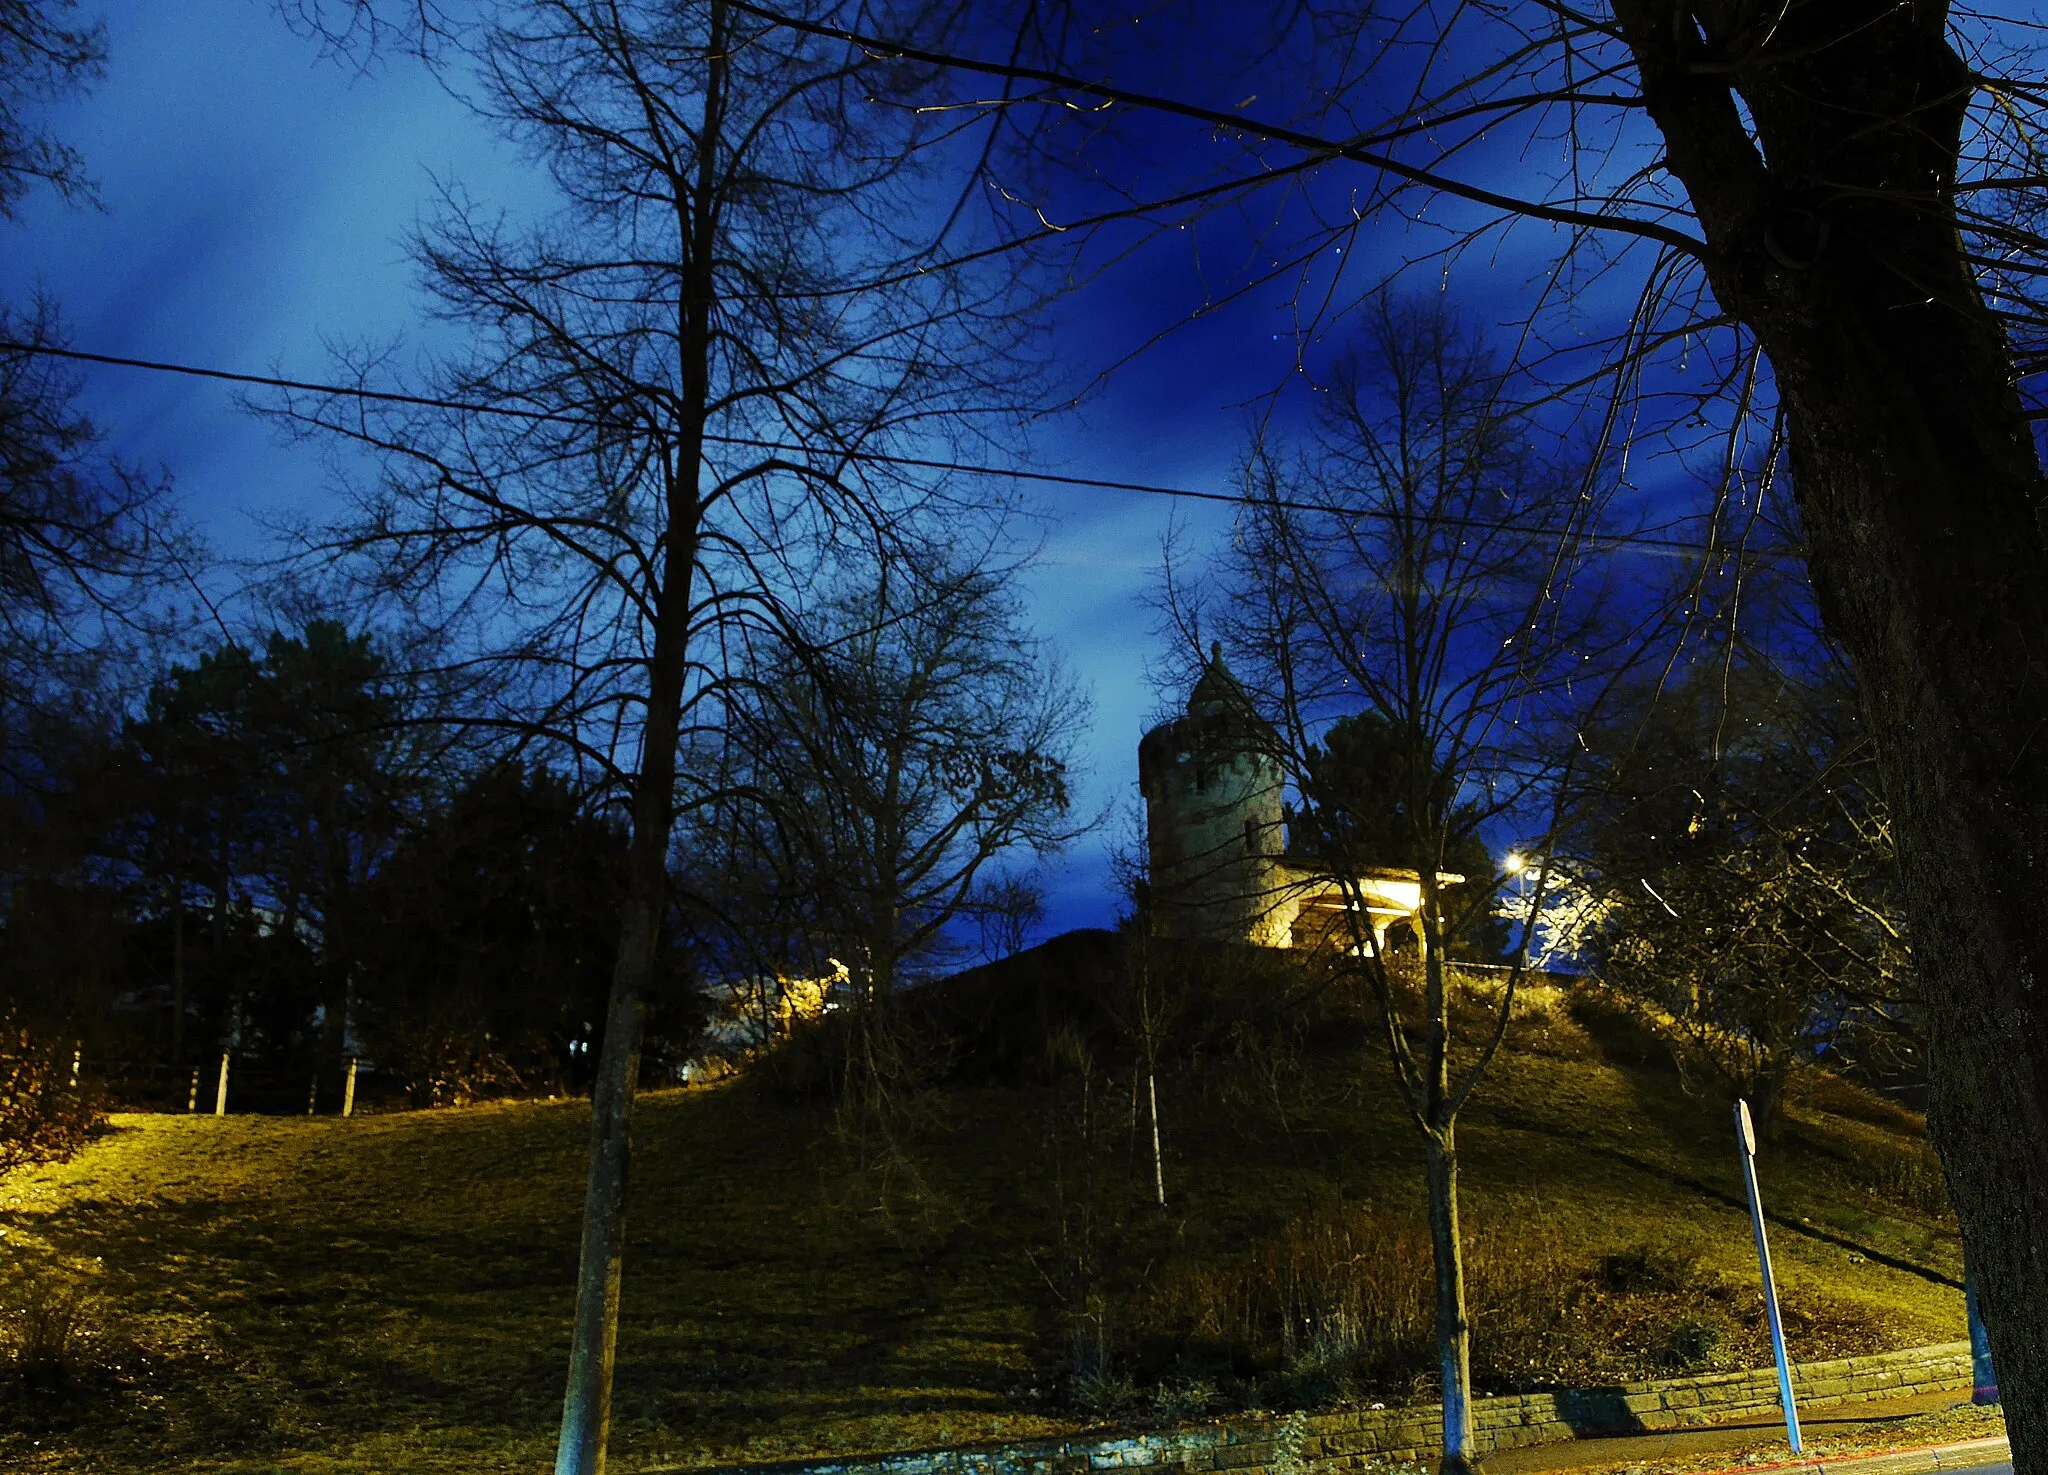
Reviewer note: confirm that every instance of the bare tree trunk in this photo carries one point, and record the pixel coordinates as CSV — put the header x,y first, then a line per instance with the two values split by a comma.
x,y
177,973
1945,628
1453,1327
220,910
587,1403
1447,1251
1158,1158
1832,235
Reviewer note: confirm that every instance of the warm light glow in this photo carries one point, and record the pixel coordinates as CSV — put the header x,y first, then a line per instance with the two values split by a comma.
x,y
1514,863
1401,898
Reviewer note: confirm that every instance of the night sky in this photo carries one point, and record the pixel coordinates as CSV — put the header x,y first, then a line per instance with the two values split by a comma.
x,y
256,201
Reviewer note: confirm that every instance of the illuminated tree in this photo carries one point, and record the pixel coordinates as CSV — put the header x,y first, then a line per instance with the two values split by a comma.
x,y
681,389
1411,603
1741,879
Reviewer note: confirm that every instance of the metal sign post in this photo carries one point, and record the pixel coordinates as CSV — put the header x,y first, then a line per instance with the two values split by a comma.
x,y
1745,1138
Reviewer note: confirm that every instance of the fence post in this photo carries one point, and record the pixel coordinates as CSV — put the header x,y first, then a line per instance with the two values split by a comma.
x,y
348,1092
192,1100
220,1097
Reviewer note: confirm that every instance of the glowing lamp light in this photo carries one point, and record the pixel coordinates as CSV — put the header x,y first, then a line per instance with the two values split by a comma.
x,y
1514,863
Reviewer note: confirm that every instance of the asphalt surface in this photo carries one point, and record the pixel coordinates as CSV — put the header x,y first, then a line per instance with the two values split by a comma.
x,y
1867,1422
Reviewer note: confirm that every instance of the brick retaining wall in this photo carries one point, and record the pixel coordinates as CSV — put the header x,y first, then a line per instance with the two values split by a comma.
x,y
1332,1443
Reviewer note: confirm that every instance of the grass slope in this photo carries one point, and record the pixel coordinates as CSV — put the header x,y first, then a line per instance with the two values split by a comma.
x,y
391,1293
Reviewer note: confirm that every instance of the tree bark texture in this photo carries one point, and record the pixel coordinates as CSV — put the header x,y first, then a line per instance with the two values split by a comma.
x,y
1438,1119
1832,237
1453,1327
587,1401
177,972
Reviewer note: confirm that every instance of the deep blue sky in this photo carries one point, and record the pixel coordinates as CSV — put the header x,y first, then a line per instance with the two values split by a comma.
x,y
256,201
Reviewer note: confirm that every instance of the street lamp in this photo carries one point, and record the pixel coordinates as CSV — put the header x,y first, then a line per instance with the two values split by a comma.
x,y
1516,864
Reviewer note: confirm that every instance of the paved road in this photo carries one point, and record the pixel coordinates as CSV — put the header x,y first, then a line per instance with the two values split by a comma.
x,y
1961,1460
1867,1422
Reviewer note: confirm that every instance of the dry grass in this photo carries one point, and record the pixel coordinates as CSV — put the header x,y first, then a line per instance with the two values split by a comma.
x,y
390,1294
1338,1308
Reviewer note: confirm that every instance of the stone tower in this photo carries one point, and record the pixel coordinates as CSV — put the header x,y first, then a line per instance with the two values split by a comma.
x,y
1213,785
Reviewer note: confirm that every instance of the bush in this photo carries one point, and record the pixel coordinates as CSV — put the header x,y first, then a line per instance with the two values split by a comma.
x,y
52,1325
1339,1307
1909,1175
1184,1396
1333,1303
1646,1269
1091,1382
1696,1341
1317,1377
1100,1393
43,1116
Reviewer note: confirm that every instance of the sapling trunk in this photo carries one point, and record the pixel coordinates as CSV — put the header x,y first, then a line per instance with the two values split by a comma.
x,y
1158,1159
1453,1328
587,1401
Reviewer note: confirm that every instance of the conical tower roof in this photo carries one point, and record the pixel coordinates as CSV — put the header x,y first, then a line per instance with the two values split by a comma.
x,y
1217,692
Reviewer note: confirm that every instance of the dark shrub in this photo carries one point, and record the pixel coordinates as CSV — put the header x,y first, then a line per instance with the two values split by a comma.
x,y
44,1117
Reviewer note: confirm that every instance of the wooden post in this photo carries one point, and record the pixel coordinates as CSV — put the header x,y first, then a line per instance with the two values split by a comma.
x,y
348,1091
220,1097
192,1098
1158,1161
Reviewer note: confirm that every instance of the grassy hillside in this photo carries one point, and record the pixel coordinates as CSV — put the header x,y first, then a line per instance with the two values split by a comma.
x,y
391,1293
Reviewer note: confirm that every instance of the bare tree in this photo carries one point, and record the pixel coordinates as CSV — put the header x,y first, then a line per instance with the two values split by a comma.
x,y
42,57
892,756
1822,217
918,737
682,387
1008,909
1420,569
85,539
88,543
1738,877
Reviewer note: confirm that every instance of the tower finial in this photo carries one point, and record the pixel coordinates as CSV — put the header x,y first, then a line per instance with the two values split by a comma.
x,y
1215,652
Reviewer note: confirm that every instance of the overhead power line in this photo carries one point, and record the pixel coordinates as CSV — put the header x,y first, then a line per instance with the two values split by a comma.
x,y
1644,541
